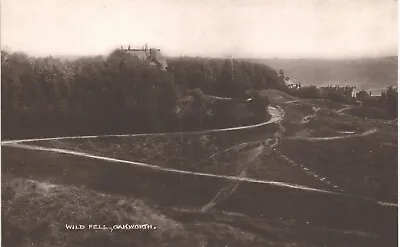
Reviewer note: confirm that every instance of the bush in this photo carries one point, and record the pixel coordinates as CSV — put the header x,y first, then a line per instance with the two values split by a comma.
x,y
307,92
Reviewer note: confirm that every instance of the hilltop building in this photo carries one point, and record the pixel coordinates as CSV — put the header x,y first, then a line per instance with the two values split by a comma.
x,y
290,83
151,55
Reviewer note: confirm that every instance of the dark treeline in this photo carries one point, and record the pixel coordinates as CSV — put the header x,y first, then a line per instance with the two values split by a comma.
x,y
223,77
119,93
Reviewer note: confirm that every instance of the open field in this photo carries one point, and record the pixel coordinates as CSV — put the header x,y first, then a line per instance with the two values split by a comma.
x,y
357,154
368,112
362,165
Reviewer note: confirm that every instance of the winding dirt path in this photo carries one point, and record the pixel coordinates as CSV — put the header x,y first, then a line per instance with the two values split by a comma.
x,y
231,187
163,169
365,133
344,109
276,116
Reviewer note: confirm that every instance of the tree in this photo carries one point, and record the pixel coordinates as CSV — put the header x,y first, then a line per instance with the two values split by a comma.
x,y
361,95
281,73
225,85
390,97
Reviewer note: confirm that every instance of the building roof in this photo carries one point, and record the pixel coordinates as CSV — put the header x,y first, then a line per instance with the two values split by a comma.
x,y
152,55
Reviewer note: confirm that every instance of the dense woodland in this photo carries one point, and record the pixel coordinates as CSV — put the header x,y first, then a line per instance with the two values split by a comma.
x,y
46,96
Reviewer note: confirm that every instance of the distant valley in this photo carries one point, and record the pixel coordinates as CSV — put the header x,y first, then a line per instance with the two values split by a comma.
x,y
364,73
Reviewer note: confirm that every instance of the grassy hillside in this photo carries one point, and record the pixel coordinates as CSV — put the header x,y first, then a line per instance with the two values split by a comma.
x,y
42,191
265,215
364,164
49,207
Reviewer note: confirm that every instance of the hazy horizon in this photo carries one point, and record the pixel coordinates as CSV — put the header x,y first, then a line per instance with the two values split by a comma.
x,y
311,29
76,56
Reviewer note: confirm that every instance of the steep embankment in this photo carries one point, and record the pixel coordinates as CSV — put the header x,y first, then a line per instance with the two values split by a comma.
x,y
48,207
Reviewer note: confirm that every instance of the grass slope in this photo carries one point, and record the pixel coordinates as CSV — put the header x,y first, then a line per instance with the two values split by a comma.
x,y
35,214
265,215
316,219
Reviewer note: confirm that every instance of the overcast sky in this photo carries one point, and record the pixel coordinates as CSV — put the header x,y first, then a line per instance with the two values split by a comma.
x,y
242,28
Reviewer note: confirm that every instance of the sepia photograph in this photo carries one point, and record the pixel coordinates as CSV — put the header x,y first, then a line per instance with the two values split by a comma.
x,y
199,123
